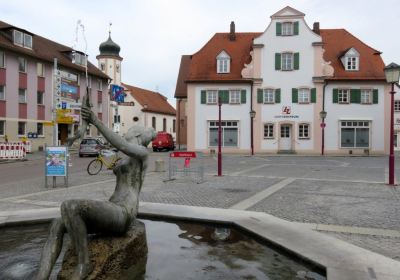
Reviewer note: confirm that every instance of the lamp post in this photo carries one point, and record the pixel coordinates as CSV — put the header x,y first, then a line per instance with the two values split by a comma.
x,y
219,137
323,114
252,116
392,73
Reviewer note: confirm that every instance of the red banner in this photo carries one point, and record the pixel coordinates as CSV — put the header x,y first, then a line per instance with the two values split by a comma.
x,y
183,154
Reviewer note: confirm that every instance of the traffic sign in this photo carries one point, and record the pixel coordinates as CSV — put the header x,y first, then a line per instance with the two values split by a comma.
x,y
323,125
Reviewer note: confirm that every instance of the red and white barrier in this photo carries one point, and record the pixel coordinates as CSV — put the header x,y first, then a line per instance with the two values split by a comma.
x,y
12,150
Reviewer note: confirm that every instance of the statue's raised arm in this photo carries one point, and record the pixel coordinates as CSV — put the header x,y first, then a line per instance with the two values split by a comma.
x,y
125,145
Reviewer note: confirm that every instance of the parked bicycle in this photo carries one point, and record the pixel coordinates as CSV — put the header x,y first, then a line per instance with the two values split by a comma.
x,y
95,166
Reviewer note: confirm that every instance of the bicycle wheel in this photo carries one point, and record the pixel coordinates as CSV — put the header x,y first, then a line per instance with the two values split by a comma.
x,y
94,167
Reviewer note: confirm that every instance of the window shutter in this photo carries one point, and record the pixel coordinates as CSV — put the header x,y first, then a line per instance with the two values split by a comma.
x,y
335,96
278,95
260,95
355,96
313,95
203,97
295,92
220,95
375,96
224,94
243,96
296,28
296,65
278,29
278,61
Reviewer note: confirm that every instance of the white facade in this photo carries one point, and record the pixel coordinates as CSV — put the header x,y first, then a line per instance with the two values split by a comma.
x,y
358,113
291,87
237,116
132,114
286,116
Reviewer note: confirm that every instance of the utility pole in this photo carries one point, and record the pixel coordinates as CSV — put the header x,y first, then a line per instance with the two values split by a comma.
x,y
56,97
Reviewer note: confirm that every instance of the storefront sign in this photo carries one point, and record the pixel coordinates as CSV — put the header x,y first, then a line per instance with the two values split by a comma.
x,y
286,113
64,116
56,161
68,76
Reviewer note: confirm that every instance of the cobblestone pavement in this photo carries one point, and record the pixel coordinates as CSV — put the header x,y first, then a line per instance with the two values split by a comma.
x,y
335,203
345,191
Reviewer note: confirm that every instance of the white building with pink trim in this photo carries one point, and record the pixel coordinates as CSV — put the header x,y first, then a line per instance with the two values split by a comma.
x,y
291,76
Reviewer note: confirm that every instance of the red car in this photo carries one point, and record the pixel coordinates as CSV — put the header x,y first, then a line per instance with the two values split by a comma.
x,y
163,141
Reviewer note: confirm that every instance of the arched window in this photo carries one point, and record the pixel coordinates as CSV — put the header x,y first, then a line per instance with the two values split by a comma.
x,y
153,123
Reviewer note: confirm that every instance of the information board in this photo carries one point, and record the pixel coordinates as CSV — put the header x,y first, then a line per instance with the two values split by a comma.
x,y
56,161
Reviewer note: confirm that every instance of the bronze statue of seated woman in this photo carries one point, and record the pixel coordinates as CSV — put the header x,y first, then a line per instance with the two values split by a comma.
x,y
80,217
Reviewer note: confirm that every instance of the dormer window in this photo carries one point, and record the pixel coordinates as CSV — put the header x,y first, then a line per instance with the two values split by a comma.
x,y
78,58
223,63
351,60
22,39
351,63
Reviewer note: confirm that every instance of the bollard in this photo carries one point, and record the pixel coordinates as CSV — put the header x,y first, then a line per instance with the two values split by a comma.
x,y
160,165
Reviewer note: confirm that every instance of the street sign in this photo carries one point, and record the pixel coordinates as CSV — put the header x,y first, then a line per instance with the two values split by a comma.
x,y
183,154
68,105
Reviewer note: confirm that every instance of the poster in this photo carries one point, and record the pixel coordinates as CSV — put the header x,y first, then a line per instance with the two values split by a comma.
x,y
56,161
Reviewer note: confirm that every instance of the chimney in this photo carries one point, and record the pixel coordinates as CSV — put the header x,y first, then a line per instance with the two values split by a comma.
x,y
316,27
232,35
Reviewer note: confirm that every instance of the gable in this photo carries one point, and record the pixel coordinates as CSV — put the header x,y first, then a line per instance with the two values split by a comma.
x,y
287,12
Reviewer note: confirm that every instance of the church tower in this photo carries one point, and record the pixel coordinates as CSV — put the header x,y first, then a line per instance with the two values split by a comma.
x,y
109,60
109,63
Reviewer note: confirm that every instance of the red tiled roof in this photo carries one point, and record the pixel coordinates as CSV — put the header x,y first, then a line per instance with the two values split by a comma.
x,y
45,50
156,102
181,88
337,42
203,66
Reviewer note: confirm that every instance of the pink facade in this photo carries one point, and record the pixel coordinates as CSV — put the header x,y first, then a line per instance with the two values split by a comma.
x,y
30,112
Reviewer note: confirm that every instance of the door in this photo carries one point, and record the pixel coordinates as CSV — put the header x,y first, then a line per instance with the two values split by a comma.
x,y
62,133
286,138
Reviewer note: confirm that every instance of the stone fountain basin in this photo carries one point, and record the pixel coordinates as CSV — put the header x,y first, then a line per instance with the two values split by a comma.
x,y
341,260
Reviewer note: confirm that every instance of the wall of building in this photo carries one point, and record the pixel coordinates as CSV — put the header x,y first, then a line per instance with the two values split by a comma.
x,y
12,105
286,80
148,116
373,113
181,118
201,114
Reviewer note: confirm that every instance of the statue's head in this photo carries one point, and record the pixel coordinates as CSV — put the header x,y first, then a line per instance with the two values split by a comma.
x,y
140,135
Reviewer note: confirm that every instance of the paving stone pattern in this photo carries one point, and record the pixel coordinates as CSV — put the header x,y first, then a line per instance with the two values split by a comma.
x,y
326,202
217,192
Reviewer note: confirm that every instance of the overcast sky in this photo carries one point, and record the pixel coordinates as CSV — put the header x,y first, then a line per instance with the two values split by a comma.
x,y
153,34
